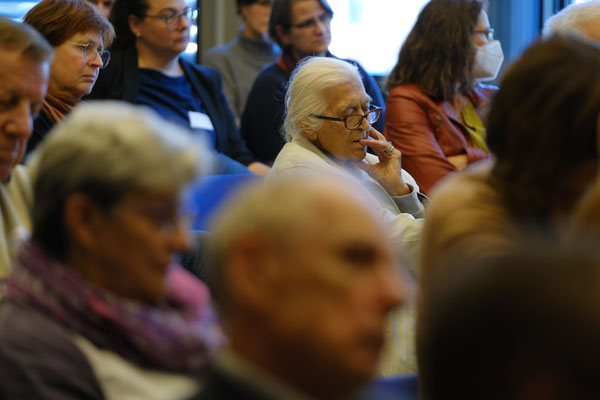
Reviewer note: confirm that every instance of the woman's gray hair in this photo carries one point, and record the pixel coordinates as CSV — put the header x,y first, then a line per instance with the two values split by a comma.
x,y
578,18
304,97
107,150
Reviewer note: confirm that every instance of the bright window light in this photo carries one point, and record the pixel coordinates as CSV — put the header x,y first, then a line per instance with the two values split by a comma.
x,y
372,31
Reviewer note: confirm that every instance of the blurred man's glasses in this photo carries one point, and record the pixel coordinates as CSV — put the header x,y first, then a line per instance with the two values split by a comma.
x,y
90,51
173,19
355,121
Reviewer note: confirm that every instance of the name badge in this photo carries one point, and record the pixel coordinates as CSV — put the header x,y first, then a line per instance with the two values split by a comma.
x,y
200,121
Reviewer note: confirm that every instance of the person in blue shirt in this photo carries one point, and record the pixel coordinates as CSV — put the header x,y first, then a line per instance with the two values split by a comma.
x,y
147,69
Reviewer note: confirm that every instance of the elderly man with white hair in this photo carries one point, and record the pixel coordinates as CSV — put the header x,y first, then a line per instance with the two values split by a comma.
x,y
581,18
328,126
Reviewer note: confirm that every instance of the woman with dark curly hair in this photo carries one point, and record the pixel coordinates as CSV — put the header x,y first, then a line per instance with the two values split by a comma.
x,y
436,106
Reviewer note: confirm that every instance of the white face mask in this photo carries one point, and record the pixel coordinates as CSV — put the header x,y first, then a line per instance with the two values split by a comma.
x,y
488,60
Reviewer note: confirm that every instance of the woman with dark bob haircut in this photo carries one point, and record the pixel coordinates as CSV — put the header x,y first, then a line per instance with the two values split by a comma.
x,y
147,68
79,35
436,107
542,130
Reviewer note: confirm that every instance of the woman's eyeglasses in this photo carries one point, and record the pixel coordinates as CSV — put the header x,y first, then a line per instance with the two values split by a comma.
x,y
488,33
90,51
173,19
354,121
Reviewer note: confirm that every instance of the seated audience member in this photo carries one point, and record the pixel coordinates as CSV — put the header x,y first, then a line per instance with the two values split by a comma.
x,y
303,288
436,107
581,18
302,29
79,35
103,6
240,60
328,126
543,133
24,71
147,69
524,325
543,130
94,308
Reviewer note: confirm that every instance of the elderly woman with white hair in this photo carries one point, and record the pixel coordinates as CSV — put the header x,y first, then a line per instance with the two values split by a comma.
x,y
94,307
328,126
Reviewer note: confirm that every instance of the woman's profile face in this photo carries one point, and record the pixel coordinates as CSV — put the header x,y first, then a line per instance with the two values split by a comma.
x,y
76,64
164,29
134,243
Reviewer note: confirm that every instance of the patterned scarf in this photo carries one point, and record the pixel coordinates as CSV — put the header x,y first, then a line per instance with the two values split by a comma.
x,y
57,106
178,335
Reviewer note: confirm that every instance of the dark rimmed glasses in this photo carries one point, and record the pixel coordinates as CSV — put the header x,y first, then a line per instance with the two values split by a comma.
x,y
173,19
354,121
89,49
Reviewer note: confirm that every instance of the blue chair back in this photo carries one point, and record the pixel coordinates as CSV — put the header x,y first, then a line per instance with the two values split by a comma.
x,y
210,192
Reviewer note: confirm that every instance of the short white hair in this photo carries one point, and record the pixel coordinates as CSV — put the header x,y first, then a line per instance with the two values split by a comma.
x,y
575,18
107,150
305,94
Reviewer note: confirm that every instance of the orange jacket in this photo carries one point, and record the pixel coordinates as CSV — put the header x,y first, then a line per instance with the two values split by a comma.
x,y
426,134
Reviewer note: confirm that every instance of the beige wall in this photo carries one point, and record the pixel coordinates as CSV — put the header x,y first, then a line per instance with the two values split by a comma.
x,y
219,22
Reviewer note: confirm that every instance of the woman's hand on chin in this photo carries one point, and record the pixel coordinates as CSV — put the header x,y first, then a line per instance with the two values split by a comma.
x,y
388,171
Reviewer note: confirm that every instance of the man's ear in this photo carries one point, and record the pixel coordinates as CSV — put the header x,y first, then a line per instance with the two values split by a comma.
x,y
282,35
81,216
134,25
307,129
254,273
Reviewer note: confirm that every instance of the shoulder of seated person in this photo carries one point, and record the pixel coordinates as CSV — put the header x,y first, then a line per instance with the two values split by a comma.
x,y
465,183
35,330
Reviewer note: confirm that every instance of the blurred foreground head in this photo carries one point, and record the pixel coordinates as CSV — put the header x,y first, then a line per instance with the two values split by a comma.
x,y
581,18
524,325
24,72
543,128
304,280
107,191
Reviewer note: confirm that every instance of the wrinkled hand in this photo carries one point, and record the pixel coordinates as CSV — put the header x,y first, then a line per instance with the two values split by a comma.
x,y
388,170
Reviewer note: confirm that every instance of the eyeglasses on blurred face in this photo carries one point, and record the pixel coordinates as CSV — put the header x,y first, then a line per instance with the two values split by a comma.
x,y
173,19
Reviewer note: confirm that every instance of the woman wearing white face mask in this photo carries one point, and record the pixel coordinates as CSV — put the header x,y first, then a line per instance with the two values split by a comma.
x,y
436,107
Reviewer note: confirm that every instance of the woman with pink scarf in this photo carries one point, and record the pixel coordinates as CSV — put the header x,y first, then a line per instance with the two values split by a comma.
x,y
95,308
79,35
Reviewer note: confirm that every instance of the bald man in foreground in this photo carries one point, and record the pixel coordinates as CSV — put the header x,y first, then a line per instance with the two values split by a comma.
x,y
304,280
